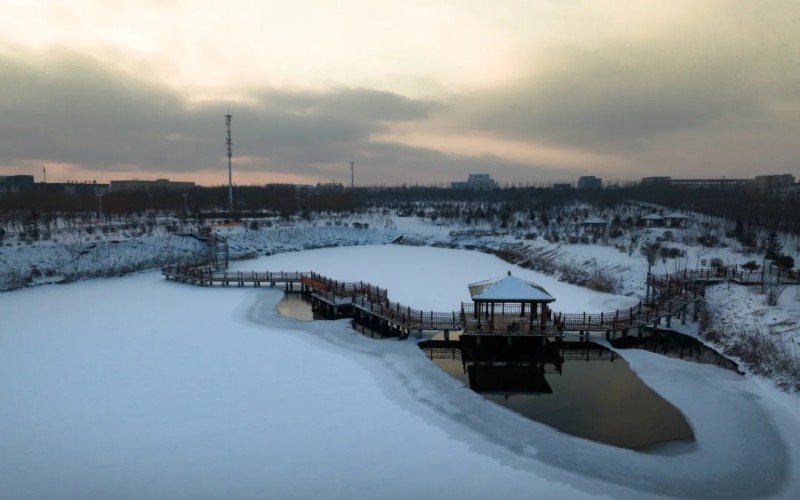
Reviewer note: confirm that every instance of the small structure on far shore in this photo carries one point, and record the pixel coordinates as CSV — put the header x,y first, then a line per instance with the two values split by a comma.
x,y
653,220
508,306
595,225
677,219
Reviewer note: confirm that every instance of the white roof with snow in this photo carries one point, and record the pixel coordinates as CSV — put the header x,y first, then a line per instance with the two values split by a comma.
x,y
510,289
676,215
652,217
595,220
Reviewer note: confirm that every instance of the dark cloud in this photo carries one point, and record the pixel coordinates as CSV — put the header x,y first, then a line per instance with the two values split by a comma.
x,y
611,100
720,81
704,99
73,109
392,163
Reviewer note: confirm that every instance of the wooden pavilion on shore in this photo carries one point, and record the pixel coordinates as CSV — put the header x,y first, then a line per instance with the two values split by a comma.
x,y
509,306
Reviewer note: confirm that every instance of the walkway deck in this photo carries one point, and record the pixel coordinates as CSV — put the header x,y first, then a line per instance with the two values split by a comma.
x,y
668,296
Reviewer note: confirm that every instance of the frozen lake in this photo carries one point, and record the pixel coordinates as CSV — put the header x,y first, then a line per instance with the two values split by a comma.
x,y
139,387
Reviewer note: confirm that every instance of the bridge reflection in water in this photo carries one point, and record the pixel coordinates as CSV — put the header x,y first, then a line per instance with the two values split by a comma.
x,y
577,387
580,388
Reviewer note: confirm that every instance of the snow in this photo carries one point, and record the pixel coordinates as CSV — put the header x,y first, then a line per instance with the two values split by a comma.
x,y
595,220
509,288
395,267
139,387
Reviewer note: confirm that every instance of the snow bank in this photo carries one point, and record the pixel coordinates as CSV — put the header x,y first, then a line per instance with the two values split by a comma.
x,y
139,387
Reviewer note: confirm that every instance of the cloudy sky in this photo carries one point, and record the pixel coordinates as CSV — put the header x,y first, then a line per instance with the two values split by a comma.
x,y
412,92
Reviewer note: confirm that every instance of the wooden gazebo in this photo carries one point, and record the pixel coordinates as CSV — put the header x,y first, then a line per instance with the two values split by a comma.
x,y
653,220
508,306
595,225
677,219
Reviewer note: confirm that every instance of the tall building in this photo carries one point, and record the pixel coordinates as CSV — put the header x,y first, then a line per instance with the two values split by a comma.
x,y
476,182
590,182
772,183
16,184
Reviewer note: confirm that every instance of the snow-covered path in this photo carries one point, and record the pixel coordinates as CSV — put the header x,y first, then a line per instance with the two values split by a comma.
x,y
138,387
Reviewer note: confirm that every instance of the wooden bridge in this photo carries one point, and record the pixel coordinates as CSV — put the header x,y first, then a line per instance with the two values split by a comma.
x,y
668,296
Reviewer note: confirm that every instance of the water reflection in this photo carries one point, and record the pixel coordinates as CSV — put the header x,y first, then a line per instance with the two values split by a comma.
x,y
675,345
296,306
577,387
580,388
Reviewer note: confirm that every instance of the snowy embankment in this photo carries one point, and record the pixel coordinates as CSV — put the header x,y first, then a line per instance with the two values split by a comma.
x,y
78,255
577,264
764,338
206,392
604,267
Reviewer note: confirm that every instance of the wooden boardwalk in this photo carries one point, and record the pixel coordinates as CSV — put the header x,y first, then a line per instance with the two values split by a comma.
x,y
668,297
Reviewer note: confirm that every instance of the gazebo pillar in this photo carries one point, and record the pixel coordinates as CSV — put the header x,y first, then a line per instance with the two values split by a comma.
x,y
544,316
531,315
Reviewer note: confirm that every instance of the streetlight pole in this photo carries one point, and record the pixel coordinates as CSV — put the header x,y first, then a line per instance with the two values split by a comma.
x,y
185,211
99,206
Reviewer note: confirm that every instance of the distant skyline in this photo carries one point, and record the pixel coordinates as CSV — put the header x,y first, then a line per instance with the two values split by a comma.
x,y
526,91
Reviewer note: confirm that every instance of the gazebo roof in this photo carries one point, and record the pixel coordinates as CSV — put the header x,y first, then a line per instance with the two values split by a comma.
x,y
509,289
652,217
676,215
595,220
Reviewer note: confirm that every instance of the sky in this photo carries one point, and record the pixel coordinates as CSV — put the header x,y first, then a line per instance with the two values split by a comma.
x,y
532,91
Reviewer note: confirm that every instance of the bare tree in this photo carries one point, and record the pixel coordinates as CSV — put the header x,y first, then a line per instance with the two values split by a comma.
x,y
773,287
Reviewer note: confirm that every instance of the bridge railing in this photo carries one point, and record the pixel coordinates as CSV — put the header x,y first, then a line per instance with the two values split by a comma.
x,y
670,295
408,316
325,284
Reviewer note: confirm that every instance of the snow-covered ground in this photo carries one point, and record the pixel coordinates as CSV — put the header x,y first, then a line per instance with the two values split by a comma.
x,y
766,338
111,251
71,255
139,387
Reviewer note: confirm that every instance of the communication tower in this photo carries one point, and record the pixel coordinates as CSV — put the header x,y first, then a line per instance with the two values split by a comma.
x,y
229,144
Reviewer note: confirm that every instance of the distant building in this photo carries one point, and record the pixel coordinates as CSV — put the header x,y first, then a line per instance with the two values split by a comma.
x,y
764,184
81,188
16,184
146,185
773,183
590,182
722,183
656,180
477,182
330,187
789,192
287,186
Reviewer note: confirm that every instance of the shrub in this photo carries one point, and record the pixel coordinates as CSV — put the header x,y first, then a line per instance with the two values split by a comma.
x,y
750,265
784,262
